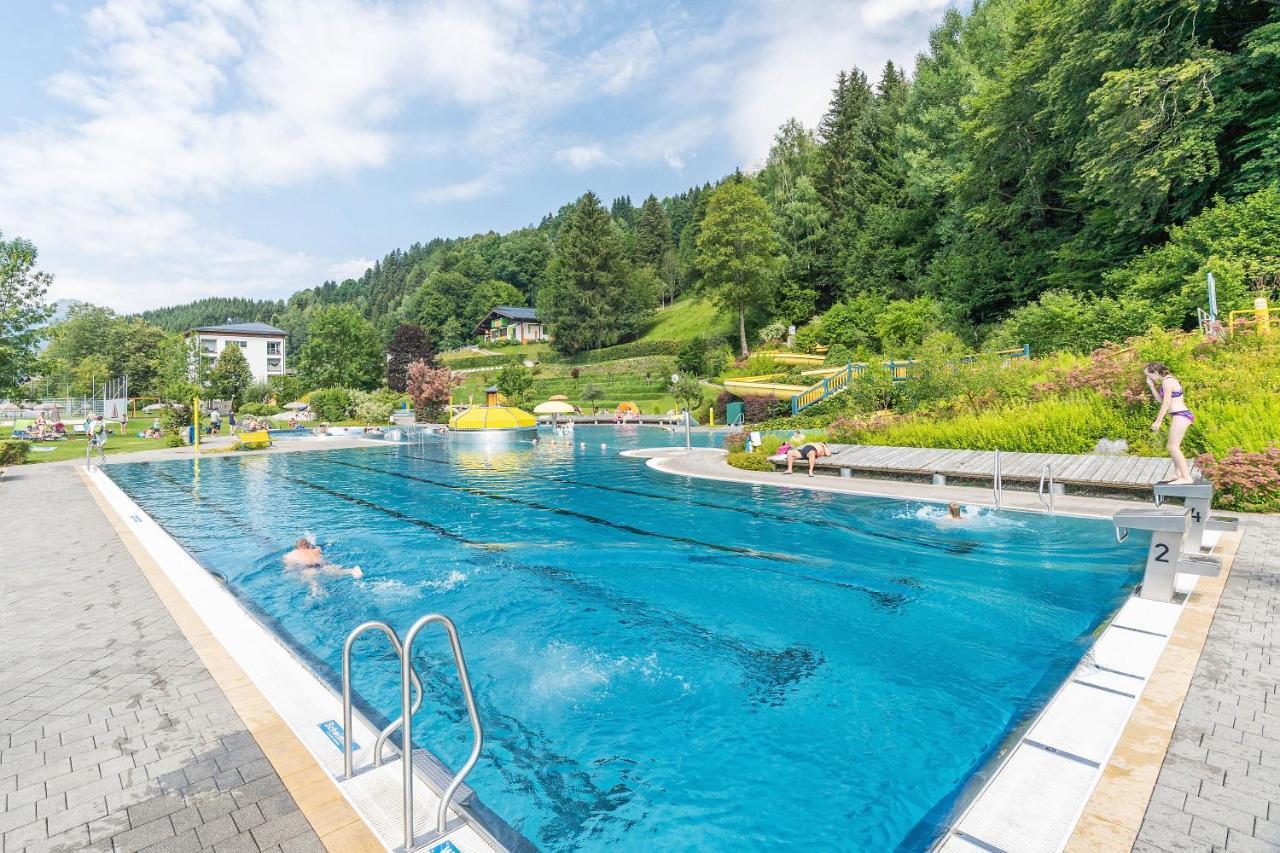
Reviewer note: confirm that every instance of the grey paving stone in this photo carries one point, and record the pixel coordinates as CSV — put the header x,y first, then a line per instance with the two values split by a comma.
x,y
117,738
1235,688
279,829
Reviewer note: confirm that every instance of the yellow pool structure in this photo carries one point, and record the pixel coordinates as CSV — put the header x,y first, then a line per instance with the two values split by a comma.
x,y
494,420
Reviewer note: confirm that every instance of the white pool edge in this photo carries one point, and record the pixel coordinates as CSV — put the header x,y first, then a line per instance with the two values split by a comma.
x,y
302,699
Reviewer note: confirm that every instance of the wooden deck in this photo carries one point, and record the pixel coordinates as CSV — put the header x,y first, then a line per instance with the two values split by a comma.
x,y
1085,470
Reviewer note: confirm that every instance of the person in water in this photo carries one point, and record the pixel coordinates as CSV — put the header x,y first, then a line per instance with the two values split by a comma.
x,y
953,511
1167,390
309,561
810,451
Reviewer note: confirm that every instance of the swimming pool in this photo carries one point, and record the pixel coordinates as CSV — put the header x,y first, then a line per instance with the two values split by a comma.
x,y
661,662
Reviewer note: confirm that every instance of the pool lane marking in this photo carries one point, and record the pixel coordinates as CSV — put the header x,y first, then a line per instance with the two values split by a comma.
x,y
939,545
569,513
880,597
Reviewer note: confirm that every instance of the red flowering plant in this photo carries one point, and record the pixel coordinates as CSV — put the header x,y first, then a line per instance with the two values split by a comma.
x,y
854,429
430,388
1249,482
1112,371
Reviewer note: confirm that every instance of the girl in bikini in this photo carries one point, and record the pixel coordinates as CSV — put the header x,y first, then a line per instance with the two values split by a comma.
x,y
1172,403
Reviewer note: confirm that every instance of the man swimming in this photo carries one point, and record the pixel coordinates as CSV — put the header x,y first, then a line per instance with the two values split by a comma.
x,y
309,561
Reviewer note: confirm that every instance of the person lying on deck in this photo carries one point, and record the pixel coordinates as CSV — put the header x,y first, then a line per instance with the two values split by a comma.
x,y
309,561
810,451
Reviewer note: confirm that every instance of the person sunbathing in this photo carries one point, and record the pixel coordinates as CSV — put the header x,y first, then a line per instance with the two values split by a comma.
x,y
810,451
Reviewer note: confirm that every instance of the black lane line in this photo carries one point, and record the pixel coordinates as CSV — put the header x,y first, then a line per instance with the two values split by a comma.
x,y
888,600
531,753
570,513
961,547
628,608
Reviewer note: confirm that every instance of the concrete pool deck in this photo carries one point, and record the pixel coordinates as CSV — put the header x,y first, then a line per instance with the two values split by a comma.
x,y
1218,786
120,727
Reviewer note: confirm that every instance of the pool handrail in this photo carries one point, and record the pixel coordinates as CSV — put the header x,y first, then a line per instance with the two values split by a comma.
x,y
1046,473
997,481
346,694
406,729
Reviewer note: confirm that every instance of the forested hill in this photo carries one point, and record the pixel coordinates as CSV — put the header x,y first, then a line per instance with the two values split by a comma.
x,y
1037,147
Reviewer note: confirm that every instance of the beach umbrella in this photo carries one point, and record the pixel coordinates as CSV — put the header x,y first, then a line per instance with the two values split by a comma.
x,y
628,407
155,407
295,405
559,398
553,407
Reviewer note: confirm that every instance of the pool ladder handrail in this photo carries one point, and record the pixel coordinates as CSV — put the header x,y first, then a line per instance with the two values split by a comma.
x,y
346,694
406,730
88,453
997,480
409,676
1046,473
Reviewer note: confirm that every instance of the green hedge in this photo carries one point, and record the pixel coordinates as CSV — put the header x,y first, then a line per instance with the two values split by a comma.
x,y
14,452
750,461
480,361
635,349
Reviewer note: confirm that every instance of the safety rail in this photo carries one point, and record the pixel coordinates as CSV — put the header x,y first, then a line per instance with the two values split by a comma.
x,y
346,693
95,444
406,729
1046,474
409,681
997,481
899,371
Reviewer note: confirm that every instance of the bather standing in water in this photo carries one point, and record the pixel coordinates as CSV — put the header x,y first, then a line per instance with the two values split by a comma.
x,y
309,561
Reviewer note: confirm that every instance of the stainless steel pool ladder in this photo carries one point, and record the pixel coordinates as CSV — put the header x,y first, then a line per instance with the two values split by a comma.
x,y
88,453
1046,475
407,709
997,481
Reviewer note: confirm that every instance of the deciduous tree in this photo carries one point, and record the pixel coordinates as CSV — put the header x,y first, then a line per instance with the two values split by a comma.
x,y
737,251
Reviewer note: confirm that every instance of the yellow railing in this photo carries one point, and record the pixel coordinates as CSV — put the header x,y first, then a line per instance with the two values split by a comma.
x,y
1258,319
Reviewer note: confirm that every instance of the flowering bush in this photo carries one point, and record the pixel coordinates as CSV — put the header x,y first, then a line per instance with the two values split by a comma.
x,y
853,429
430,388
1112,371
1244,481
735,442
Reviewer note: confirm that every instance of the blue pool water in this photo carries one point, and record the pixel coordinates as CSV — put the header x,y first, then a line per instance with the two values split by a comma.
x,y
663,663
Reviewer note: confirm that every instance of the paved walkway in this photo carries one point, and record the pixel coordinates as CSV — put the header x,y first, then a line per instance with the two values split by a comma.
x,y
113,734
1219,787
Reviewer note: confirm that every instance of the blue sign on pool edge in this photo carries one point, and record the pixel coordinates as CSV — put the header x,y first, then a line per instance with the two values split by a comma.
x,y
334,732
445,847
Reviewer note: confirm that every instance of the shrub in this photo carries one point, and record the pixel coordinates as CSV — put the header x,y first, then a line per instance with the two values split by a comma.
x,y
1249,482
750,461
573,372
431,389
331,404
14,452
756,409
723,399
692,358
635,349
375,407
735,442
173,439
904,324
1062,320
808,337
774,333
1071,425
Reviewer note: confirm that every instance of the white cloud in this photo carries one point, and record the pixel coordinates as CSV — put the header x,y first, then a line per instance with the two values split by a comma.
x,y
582,157
178,104
462,190
805,45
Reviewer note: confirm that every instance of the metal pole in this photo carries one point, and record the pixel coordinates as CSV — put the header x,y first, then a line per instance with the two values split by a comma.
x,y
688,442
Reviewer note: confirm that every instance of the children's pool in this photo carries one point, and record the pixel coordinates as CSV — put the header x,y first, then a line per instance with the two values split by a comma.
x,y
663,663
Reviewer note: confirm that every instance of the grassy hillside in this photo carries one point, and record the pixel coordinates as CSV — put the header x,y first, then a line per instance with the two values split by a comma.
x,y
688,317
643,381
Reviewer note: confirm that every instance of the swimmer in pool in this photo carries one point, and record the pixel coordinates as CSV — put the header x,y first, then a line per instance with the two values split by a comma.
x,y
309,561
953,512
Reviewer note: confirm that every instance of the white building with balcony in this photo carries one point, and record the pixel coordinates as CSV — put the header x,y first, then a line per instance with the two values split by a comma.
x,y
263,346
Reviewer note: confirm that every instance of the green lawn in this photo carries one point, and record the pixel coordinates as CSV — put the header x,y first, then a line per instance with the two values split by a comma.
x,y
688,318
73,448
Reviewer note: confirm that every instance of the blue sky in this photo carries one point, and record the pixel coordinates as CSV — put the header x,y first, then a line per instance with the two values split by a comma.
x,y
158,151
